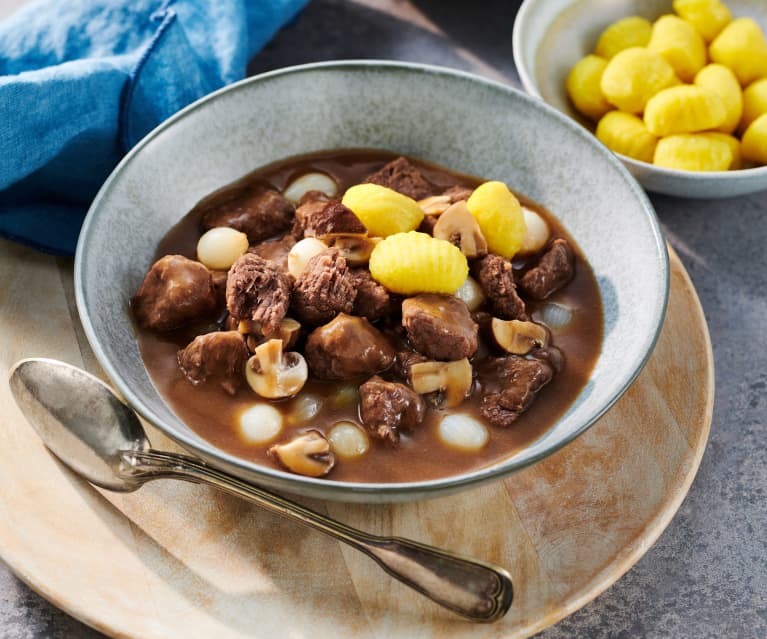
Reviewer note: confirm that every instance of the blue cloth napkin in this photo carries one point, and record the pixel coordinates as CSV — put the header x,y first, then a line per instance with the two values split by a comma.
x,y
81,81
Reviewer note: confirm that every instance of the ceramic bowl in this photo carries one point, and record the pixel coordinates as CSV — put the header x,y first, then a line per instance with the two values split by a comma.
x,y
461,121
550,36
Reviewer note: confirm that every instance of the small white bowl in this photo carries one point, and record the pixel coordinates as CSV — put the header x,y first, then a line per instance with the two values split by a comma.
x,y
461,121
550,36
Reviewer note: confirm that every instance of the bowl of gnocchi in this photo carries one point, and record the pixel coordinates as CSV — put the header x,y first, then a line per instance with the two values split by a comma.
x,y
677,89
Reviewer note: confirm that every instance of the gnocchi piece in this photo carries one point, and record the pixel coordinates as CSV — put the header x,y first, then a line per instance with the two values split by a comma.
x,y
693,152
708,17
633,31
500,218
627,134
583,87
463,432
680,44
410,263
633,76
383,211
732,141
741,46
754,102
719,79
754,143
536,232
310,182
348,441
684,109
260,423
220,247
302,252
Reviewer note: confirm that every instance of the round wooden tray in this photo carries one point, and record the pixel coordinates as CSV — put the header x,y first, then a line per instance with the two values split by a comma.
x,y
178,560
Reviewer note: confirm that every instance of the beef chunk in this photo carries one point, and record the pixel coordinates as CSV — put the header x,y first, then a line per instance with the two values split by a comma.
x,y
318,218
399,175
347,347
509,386
551,355
388,407
217,358
440,326
372,300
496,277
257,212
257,289
403,360
324,289
219,286
275,250
458,193
175,291
552,272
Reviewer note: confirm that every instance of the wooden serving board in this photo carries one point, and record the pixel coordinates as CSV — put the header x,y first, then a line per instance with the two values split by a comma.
x,y
178,560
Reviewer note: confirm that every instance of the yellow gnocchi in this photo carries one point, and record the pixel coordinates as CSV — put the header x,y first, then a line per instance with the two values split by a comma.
x,y
411,263
684,109
719,79
500,217
680,44
627,134
583,87
741,46
708,17
754,145
633,31
633,76
731,141
693,152
383,211
754,102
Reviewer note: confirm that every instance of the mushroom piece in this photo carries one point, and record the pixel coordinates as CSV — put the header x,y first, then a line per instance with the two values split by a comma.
x,y
458,226
307,454
517,337
435,204
289,332
451,378
355,248
274,374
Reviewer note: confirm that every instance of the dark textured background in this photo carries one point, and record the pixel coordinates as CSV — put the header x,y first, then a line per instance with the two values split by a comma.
x,y
707,574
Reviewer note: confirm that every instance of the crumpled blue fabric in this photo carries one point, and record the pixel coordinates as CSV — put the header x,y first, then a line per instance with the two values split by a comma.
x,y
81,81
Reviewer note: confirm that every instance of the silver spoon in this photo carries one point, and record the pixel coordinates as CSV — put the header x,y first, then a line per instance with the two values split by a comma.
x,y
82,421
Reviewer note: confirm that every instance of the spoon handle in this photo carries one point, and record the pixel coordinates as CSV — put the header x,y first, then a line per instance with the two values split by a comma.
x,y
474,589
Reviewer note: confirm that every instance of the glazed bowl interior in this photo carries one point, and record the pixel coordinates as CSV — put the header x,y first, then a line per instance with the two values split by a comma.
x,y
550,36
454,119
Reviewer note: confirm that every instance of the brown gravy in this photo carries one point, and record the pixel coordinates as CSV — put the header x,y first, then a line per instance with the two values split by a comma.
x,y
213,414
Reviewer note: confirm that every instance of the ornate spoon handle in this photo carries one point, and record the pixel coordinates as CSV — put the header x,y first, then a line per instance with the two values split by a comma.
x,y
476,590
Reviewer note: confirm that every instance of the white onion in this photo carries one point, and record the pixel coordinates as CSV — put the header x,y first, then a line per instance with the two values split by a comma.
x,y
471,294
304,408
260,423
536,233
463,431
302,252
220,247
310,182
556,315
348,440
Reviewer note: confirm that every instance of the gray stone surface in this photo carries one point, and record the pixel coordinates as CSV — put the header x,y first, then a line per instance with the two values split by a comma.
x,y
706,577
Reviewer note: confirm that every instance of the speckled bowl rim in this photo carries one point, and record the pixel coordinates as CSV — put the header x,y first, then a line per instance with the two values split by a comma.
x,y
756,174
387,491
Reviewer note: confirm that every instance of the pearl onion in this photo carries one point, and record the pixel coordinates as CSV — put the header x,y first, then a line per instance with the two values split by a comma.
x,y
471,294
463,432
220,247
348,440
260,423
310,182
302,252
304,408
537,233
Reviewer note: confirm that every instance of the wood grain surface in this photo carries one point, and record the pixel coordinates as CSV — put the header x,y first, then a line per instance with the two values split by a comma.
x,y
176,559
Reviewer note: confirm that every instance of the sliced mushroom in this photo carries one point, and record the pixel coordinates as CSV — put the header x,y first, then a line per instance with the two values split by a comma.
x,y
517,337
458,226
435,205
307,454
274,374
290,331
451,378
355,248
